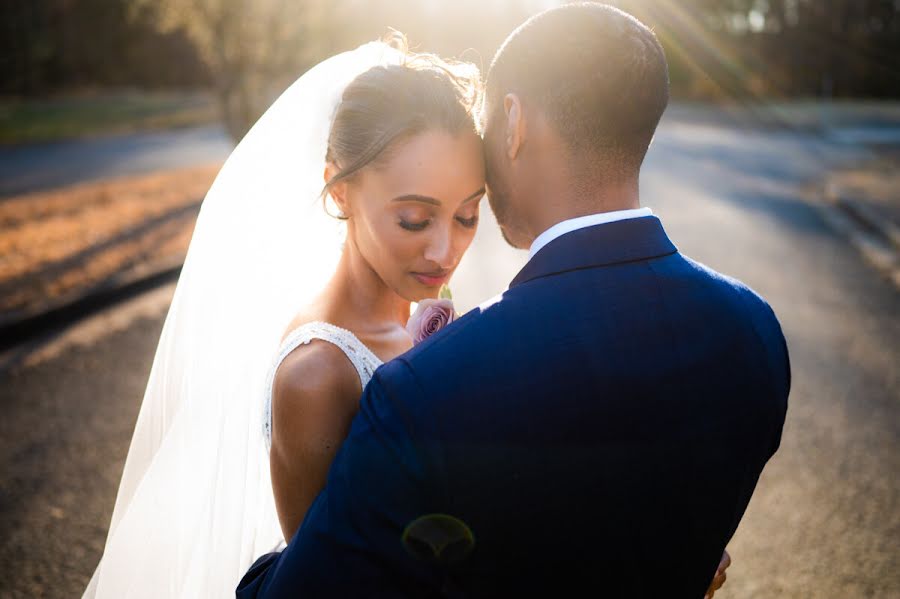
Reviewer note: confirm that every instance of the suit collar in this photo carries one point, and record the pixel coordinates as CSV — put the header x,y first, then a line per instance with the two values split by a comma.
x,y
573,224
599,245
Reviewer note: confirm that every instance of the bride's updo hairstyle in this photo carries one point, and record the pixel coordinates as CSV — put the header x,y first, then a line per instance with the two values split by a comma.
x,y
387,104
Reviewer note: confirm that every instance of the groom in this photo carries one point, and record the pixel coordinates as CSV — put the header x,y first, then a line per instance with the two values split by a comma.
x,y
601,426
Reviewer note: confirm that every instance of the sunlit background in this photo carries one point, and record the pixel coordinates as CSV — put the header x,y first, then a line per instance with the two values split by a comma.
x,y
777,162
245,51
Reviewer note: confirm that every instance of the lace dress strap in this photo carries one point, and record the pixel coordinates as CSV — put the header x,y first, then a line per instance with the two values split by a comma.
x,y
359,355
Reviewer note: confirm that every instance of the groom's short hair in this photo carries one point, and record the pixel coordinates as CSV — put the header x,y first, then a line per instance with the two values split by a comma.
x,y
598,74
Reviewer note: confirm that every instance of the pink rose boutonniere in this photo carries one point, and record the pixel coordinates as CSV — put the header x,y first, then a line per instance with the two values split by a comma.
x,y
431,316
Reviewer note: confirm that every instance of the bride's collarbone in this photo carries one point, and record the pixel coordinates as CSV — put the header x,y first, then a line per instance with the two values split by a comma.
x,y
387,344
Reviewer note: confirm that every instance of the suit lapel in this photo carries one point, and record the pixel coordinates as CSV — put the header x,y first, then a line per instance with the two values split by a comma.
x,y
628,240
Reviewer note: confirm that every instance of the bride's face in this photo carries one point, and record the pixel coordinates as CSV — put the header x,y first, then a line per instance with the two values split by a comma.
x,y
414,215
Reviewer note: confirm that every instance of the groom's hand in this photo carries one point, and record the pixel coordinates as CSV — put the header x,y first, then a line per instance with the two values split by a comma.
x,y
719,579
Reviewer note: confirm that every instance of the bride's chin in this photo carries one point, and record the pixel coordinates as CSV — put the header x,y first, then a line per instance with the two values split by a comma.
x,y
414,293
421,292
423,295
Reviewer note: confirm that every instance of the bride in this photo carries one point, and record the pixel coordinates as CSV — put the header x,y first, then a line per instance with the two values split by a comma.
x,y
283,312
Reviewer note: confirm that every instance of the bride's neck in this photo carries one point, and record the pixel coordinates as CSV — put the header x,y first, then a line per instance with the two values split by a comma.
x,y
361,296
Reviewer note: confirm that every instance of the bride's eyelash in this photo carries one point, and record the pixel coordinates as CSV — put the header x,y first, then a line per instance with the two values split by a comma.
x,y
468,223
414,226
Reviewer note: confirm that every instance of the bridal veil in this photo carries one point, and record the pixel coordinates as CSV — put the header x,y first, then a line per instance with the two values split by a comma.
x,y
195,507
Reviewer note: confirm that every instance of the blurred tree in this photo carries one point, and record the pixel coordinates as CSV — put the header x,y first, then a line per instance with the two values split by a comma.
x,y
256,47
250,50
251,46
52,45
469,30
748,50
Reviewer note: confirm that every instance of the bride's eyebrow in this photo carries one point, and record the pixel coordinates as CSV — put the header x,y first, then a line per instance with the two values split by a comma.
x,y
414,197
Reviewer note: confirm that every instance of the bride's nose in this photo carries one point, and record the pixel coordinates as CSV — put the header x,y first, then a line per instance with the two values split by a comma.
x,y
440,248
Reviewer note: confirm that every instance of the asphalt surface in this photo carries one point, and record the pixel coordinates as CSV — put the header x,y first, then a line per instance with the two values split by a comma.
x,y
36,167
824,521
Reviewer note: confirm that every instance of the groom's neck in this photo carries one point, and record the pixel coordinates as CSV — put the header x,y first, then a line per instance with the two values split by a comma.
x,y
576,198
563,184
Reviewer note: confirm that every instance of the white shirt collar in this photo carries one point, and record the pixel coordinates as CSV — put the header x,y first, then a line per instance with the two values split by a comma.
x,y
573,224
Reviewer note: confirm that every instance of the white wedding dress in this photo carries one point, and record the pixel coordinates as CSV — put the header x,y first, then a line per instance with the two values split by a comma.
x,y
195,507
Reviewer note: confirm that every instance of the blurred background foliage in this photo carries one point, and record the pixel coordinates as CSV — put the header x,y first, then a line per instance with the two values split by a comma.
x,y
247,51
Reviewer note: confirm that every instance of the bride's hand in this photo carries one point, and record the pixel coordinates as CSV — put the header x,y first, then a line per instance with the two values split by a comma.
x,y
719,579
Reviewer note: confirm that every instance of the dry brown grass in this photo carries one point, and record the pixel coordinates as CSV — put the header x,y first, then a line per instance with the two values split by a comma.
x,y
877,183
63,242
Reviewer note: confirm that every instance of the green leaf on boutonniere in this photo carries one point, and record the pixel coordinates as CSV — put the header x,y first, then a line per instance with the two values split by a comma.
x,y
445,292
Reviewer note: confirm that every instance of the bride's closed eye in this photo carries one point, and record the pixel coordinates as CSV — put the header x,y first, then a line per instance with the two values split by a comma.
x,y
469,223
471,208
410,226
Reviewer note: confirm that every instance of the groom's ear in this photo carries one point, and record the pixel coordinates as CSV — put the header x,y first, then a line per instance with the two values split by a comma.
x,y
515,125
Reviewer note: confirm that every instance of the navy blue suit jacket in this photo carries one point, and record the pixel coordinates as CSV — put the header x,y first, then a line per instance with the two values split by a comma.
x,y
600,426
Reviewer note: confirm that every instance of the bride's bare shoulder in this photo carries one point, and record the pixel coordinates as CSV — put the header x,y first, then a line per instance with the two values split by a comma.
x,y
314,366
314,374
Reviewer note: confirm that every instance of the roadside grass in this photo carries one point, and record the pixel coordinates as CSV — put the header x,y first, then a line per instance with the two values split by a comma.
x,y
100,113
871,191
65,243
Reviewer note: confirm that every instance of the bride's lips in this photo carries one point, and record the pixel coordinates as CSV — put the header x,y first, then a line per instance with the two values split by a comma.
x,y
431,279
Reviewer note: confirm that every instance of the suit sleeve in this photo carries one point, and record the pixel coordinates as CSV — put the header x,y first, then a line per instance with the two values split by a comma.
x,y
383,478
774,347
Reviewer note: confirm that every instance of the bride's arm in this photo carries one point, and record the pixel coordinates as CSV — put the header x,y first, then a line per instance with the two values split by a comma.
x,y
315,396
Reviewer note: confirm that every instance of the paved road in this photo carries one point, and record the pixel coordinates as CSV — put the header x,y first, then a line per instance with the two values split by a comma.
x,y
824,521
36,167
